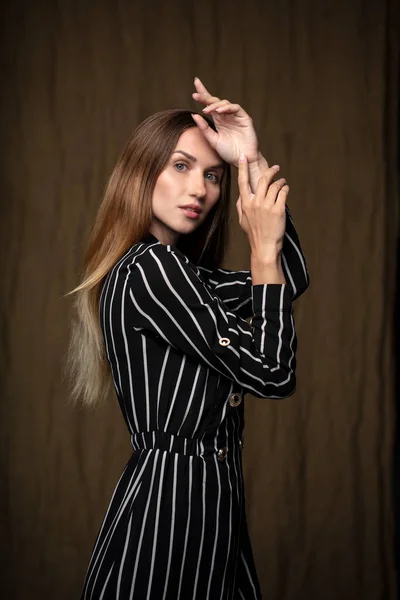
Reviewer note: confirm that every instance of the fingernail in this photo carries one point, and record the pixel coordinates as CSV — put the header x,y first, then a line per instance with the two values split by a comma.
x,y
275,167
242,157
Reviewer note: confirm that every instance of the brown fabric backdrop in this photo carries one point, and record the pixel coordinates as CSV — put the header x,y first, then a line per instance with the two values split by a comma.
x,y
319,80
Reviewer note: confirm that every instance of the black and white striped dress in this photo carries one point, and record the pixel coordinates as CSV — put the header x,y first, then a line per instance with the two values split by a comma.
x,y
182,358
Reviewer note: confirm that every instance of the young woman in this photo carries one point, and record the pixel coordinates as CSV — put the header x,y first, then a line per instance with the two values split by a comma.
x,y
158,315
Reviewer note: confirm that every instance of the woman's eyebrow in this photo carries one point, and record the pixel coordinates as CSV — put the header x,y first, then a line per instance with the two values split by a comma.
x,y
194,159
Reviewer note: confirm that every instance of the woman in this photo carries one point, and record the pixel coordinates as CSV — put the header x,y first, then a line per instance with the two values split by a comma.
x,y
173,334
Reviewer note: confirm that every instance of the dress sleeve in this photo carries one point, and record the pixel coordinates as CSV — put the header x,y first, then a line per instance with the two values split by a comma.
x,y
293,260
234,287
170,300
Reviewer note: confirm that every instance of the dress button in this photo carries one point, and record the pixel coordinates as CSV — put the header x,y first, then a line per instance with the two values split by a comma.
x,y
224,341
221,454
241,444
235,399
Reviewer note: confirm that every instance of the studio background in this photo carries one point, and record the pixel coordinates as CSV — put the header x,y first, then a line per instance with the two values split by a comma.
x,y
320,80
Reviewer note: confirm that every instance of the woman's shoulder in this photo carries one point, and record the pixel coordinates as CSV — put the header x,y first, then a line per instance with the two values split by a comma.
x,y
145,253
166,258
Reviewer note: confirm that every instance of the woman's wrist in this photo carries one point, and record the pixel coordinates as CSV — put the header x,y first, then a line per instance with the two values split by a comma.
x,y
266,270
256,169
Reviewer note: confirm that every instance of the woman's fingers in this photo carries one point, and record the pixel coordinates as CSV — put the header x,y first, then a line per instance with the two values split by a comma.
x,y
243,178
204,98
210,135
199,85
265,182
223,106
239,208
282,196
274,190
229,108
202,94
201,89
267,189
215,105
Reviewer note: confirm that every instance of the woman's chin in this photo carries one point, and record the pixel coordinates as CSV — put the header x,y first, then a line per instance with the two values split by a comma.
x,y
186,228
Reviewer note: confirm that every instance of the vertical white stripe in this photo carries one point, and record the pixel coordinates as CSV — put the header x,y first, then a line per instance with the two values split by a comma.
x,y
234,444
105,584
248,573
187,525
146,381
262,344
176,390
121,568
128,533
201,409
189,403
278,350
216,528
235,433
172,530
239,487
291,341
160,383
154,545
202,529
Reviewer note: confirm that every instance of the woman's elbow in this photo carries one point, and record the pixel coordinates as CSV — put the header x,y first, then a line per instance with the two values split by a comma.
x,y
282,389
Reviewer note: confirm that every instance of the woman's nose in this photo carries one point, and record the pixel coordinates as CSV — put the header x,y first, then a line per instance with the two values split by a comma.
x,y
197,185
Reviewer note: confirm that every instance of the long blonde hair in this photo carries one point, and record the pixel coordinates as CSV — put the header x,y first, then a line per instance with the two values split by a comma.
x,y
123,218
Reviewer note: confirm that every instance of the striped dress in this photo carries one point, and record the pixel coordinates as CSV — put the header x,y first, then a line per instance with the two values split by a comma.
x,y
183,357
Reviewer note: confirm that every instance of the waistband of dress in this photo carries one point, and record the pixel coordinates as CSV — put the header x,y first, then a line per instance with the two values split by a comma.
x,y
147,440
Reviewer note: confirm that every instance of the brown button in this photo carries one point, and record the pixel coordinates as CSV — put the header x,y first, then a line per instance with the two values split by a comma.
x,y
221,454
235,399
224,341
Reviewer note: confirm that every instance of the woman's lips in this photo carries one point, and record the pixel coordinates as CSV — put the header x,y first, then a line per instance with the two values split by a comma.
x,y
190,213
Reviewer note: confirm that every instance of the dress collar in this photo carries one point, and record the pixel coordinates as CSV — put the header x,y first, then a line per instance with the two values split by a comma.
x,y
149,238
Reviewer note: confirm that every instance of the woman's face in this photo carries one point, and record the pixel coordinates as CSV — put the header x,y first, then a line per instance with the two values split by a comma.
x,y
192,176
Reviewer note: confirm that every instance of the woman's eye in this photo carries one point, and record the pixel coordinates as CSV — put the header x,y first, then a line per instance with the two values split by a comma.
x,y
179,165
213,177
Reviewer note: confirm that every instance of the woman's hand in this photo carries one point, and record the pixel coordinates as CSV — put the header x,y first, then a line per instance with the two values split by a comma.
x,y
262,215
235,132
